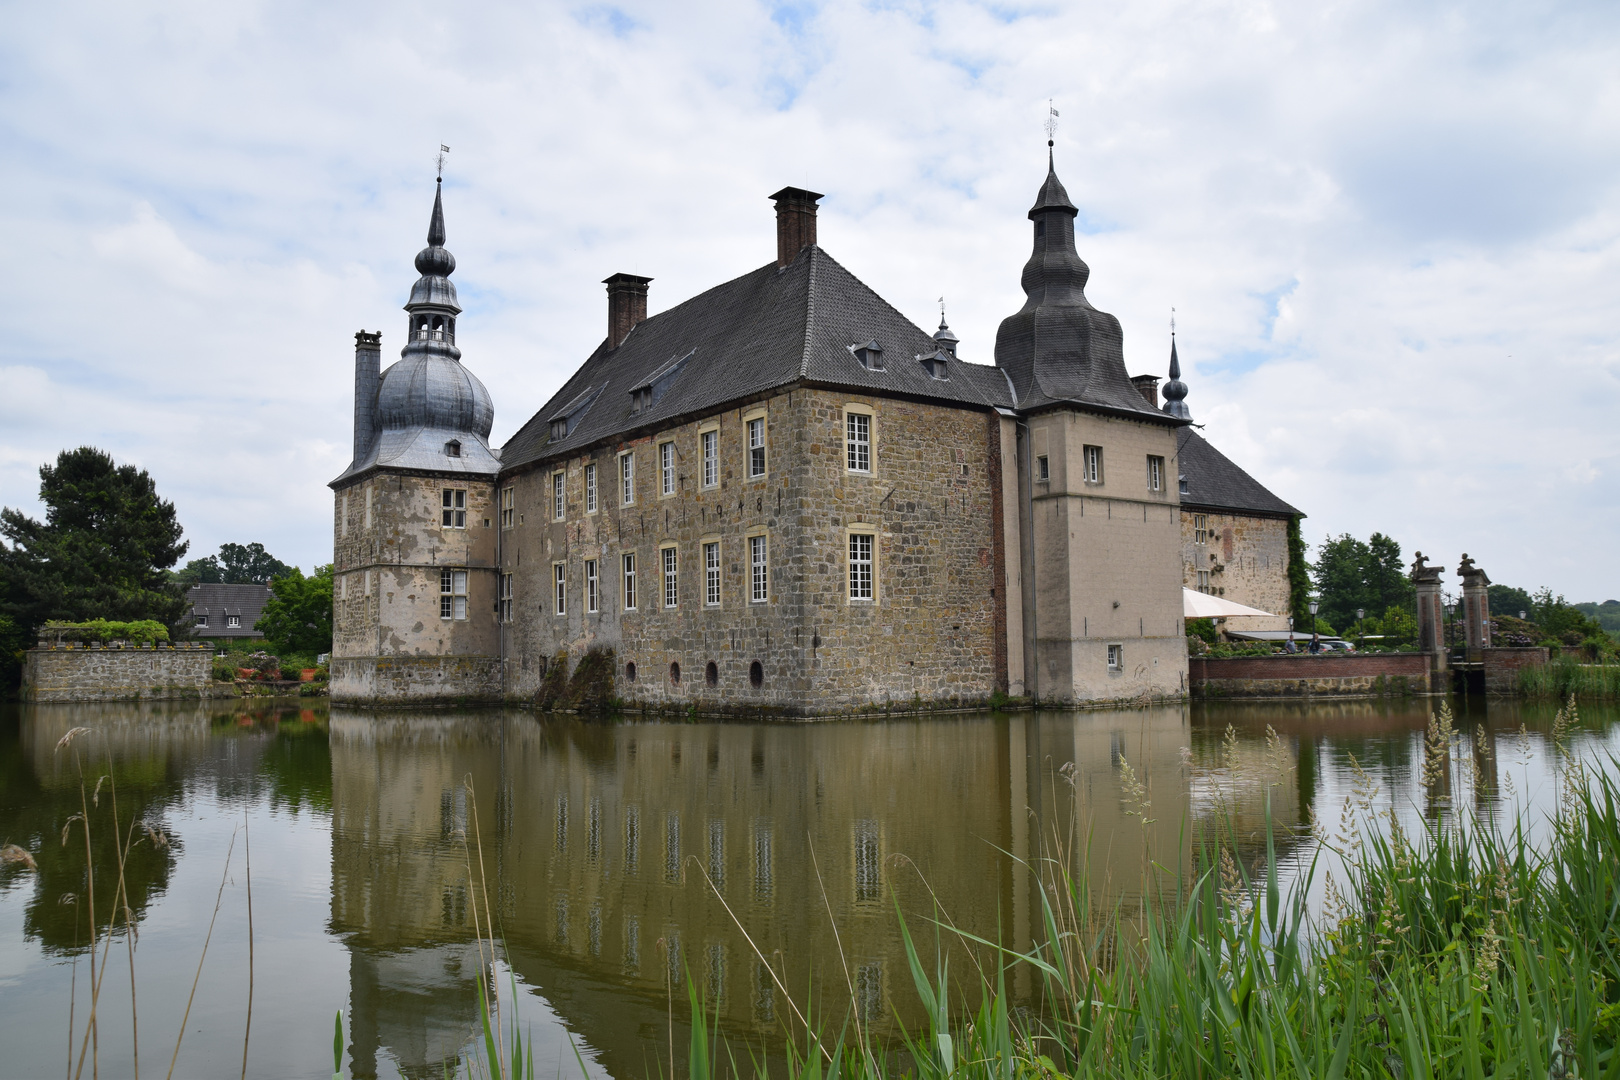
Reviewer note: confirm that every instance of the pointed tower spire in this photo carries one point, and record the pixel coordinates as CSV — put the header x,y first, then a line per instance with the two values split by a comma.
x,y
1175,391
947,340
433,307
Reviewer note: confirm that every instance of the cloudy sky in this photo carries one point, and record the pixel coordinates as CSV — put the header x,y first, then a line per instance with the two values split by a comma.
x,y
1390,229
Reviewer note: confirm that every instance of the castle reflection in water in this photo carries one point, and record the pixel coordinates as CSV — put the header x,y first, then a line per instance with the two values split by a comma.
x,y
607,850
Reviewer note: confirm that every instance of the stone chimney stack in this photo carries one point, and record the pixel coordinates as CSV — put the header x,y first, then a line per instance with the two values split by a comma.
x,y
367,374
795,222
627,305
1148,387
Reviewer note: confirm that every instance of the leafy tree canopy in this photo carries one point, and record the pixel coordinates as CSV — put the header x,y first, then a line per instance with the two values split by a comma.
x,y
236,564
1506,600
298,616
1352,574
102,551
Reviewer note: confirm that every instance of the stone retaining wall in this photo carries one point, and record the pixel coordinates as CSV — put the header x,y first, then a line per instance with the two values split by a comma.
x,y
100,673
1310,676
394,681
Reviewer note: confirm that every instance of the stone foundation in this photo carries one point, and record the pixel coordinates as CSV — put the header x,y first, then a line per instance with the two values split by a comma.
x,y
99,673
1311,676
395,681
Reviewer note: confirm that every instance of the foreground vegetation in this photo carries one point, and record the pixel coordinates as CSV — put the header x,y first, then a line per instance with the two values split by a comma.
x,y
1466,951
1566,677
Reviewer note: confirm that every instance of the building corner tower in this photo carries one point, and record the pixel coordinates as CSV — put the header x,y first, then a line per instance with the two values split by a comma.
x,y
414,551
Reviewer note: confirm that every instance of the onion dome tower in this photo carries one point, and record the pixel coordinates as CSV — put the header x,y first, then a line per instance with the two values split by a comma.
x,y
1175,391
1058,348
427,412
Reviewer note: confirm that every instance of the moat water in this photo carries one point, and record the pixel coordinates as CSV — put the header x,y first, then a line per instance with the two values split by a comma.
x,y
618,857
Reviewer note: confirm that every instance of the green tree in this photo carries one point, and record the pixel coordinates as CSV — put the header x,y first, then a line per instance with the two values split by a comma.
x,y
1506,600
298,616
1299,574
236,564
1352,574
102,551
203,571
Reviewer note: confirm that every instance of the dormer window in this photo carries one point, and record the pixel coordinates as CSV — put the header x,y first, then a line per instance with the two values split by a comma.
x,y
452,448
934,364
869,355
640,399
559,429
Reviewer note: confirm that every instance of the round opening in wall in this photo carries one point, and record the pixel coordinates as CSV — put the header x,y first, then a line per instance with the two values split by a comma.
x,y
675,673
711,674
756,675
630,672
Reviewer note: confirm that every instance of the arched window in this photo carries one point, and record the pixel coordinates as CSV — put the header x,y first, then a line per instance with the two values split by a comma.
x,y
675,673
756,675
630,672
711,674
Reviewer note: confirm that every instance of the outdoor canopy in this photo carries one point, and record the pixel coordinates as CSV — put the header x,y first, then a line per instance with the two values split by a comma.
x,y
1197,605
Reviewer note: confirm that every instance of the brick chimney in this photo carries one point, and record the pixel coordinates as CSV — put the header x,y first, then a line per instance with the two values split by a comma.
x,y
795,222
367,377
1148,387
627,305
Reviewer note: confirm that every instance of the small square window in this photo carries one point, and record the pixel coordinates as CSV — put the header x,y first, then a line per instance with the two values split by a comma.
x,y
1116,658
202,620
233,621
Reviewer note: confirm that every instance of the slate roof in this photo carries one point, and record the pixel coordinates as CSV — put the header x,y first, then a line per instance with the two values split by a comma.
x,y
1215,482
219,601
769,328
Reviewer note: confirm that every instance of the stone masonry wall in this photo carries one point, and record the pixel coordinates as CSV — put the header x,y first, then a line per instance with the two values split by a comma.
x,y
395,681
1247,561
1305,675
1504,666
927,635
99,674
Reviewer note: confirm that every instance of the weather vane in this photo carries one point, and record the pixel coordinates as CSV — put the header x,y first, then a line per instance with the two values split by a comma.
x,y
443,150
942,309
1172,322
1051,121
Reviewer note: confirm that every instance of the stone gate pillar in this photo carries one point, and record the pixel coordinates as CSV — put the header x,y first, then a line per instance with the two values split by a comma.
x,y
1431,623
1476,605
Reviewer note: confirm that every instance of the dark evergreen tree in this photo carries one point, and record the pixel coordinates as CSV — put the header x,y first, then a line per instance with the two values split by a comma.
x,y
102,551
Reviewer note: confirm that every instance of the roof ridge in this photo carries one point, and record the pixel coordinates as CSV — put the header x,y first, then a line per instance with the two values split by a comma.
x,y
879,296
809,313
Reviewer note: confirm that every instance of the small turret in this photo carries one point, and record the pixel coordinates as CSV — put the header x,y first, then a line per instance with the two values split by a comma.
x,y
947,340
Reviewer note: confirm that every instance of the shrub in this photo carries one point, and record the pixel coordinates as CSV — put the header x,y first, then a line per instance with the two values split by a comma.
x,y
591,687
554,683
224,669
264,665
139,631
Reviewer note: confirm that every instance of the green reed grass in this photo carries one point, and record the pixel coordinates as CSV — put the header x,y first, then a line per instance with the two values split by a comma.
x,y
1465,951
1562,677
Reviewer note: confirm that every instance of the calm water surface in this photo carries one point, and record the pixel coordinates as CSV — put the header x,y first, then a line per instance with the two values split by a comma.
x,y
607,850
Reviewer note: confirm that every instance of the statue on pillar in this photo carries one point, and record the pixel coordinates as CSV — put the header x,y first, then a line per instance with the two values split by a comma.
x,y
1476,603
1431,637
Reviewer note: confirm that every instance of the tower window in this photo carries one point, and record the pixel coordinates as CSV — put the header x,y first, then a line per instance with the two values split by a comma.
x,y
452,449
860,566
1043,469
593,588
1116,658
1155,467
759,576
711,573
452,594
711,458
453,509
756,447
506,598
1091,464
559,582
508,506
671,581
629,581
858,442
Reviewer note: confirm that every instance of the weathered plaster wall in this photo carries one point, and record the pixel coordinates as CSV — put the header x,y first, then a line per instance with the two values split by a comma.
x,y
1247,561
1105,555
387,590
927,635
100,674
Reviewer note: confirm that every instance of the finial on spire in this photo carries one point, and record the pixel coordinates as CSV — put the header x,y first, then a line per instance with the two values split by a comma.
x,y
443,150
947,340
1175,391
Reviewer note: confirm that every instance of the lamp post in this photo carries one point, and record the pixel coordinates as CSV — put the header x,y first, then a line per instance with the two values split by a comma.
x,y
1315,603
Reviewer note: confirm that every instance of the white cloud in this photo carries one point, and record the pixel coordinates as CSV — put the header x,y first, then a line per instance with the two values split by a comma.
x,y
1389,229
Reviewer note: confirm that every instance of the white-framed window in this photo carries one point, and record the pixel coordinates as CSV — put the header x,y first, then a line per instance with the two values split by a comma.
x,y
590,488
452,594
627,479
756,447
233,622
559,588
711,457
343,515
506,596
1155,472
1091,464
711,573
759,571
858,441
666,468
369,518
671,561
1116,658
508,507
593,587
629,581
453,508
202,620
861,547
1200,528
559,495
1043,468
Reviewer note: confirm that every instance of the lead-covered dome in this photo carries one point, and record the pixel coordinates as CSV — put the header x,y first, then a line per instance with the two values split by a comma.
x,y
434,392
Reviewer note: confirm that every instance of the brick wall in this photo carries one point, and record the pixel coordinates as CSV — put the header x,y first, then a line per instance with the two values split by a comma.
x,y
1287,676
1503,667
101,674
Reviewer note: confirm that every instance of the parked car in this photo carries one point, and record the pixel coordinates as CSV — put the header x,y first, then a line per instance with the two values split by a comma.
x,y
1337,646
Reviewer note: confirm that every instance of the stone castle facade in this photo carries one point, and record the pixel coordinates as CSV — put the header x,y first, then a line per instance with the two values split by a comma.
x,y
778,496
